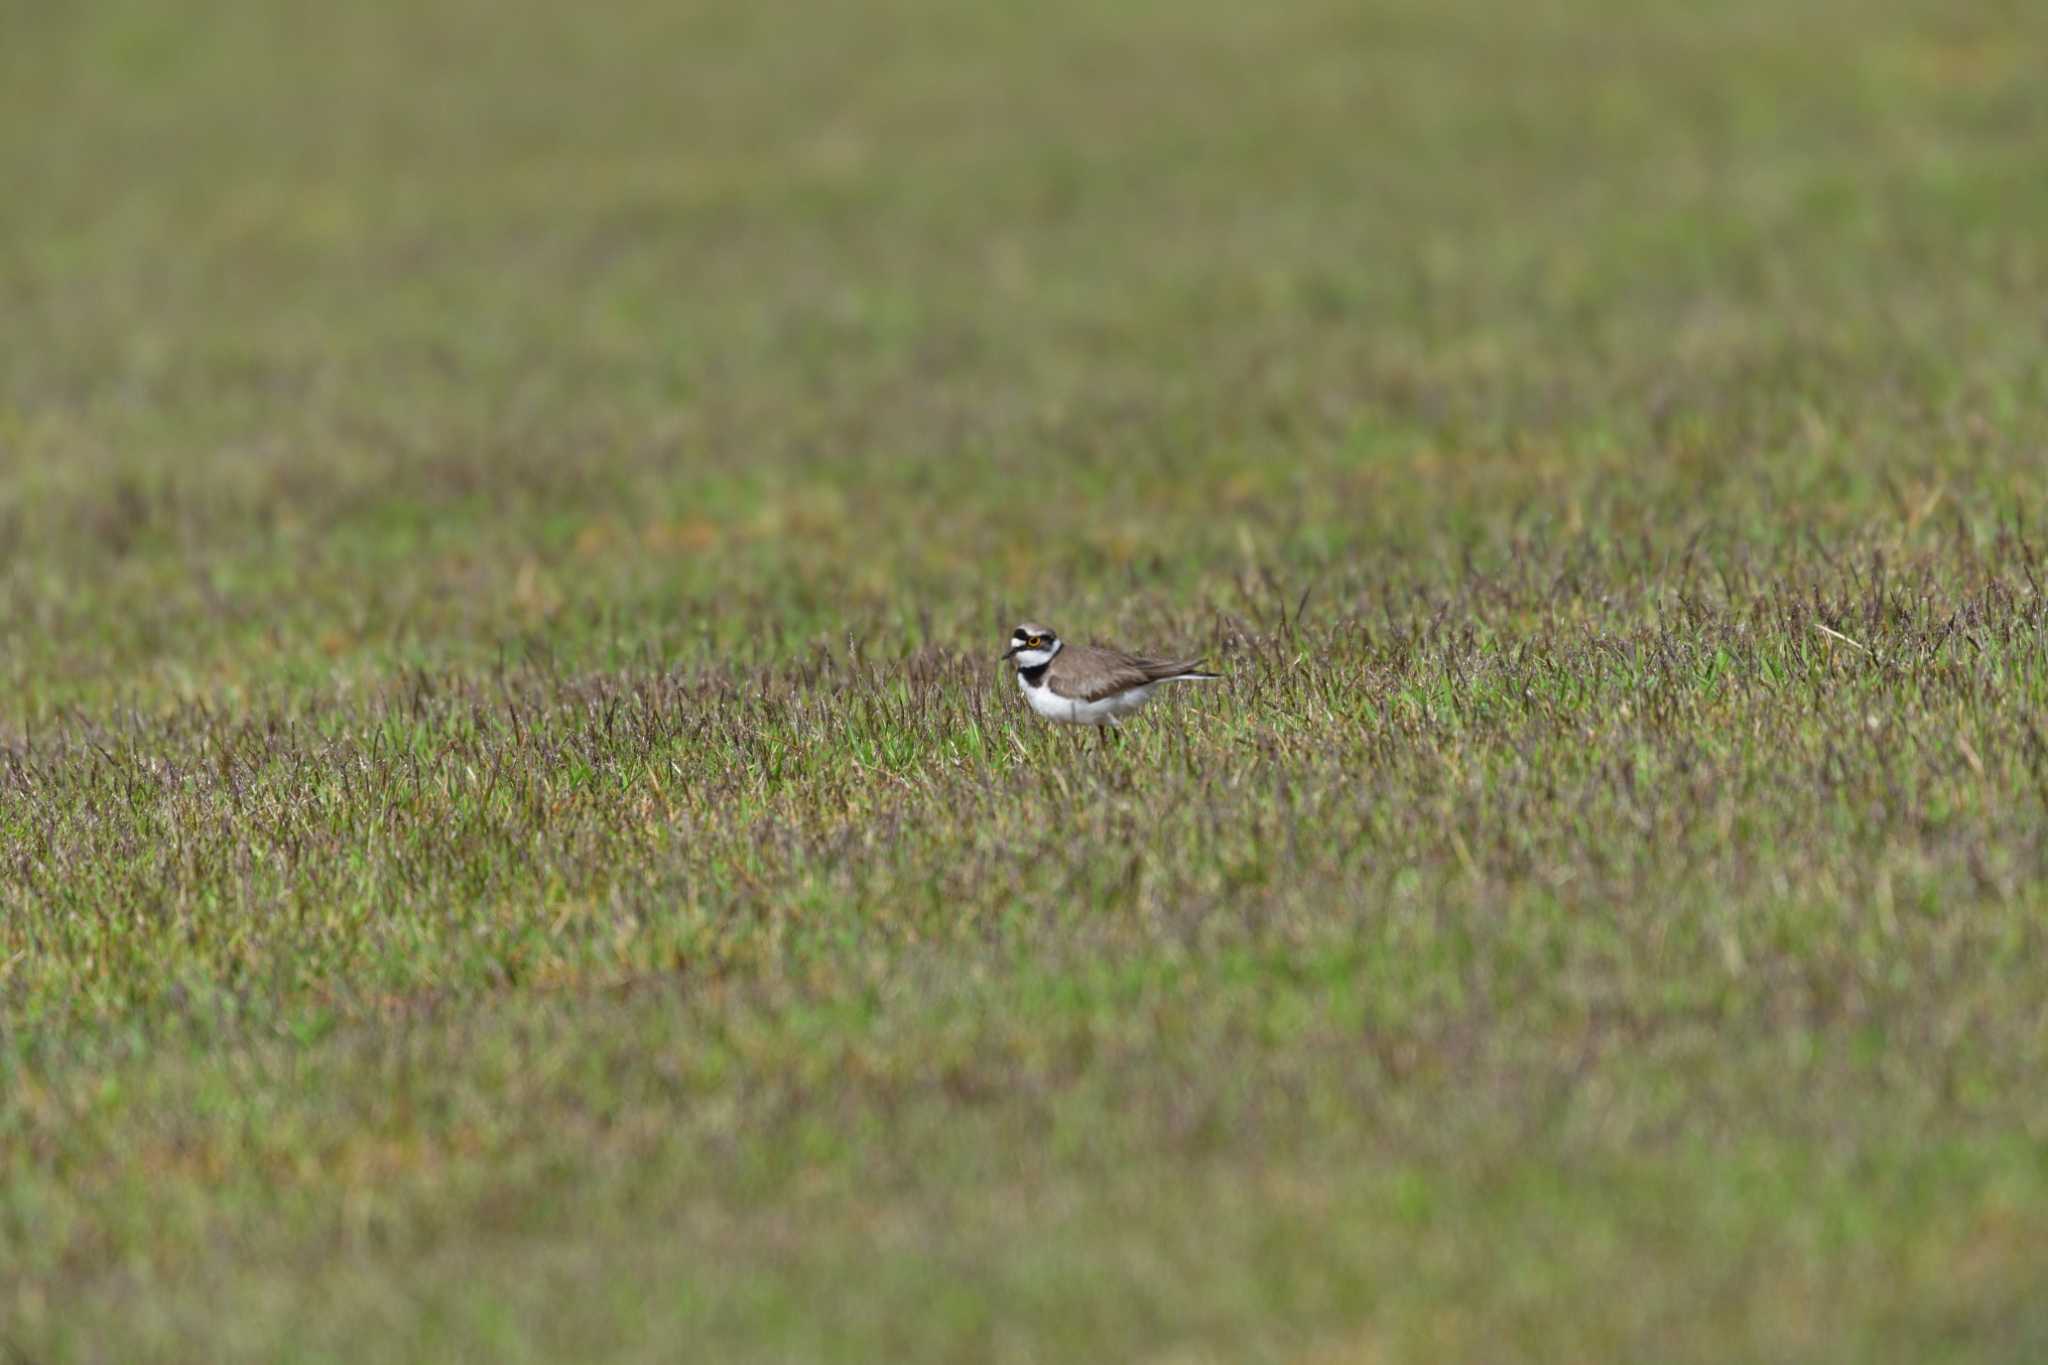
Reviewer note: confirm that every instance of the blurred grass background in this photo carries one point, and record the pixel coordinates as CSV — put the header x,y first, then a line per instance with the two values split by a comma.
x,y
401,331
480,885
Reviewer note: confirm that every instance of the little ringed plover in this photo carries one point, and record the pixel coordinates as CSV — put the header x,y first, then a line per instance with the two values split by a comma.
x,y
1089,684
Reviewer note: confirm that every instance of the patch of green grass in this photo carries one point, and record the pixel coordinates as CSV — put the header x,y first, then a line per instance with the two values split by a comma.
x,y
513,843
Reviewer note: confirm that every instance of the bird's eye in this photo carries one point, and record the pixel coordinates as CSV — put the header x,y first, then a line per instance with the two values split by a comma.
x,y
1038,642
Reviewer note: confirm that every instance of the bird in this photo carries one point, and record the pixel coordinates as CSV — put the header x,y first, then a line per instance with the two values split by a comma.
x,y
1090,684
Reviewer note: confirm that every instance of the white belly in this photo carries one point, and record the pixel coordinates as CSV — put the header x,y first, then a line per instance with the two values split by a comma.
x,y
1052,706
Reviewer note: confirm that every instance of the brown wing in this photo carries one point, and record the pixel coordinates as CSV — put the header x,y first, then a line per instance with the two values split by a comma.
x,y
1092,672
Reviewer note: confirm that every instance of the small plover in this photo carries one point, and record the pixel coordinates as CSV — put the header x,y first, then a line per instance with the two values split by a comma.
x,y
1089,684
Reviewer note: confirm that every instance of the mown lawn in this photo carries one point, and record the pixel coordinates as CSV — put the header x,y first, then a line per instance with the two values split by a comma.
x,y
516,845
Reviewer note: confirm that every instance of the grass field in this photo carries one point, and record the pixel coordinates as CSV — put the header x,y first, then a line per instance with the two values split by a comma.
x,y
514,844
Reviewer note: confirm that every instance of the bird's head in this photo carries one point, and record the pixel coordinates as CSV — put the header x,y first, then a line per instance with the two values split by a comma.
x,y
1032,645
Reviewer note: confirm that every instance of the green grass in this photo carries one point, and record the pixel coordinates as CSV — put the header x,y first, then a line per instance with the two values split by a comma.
x,y
513,843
